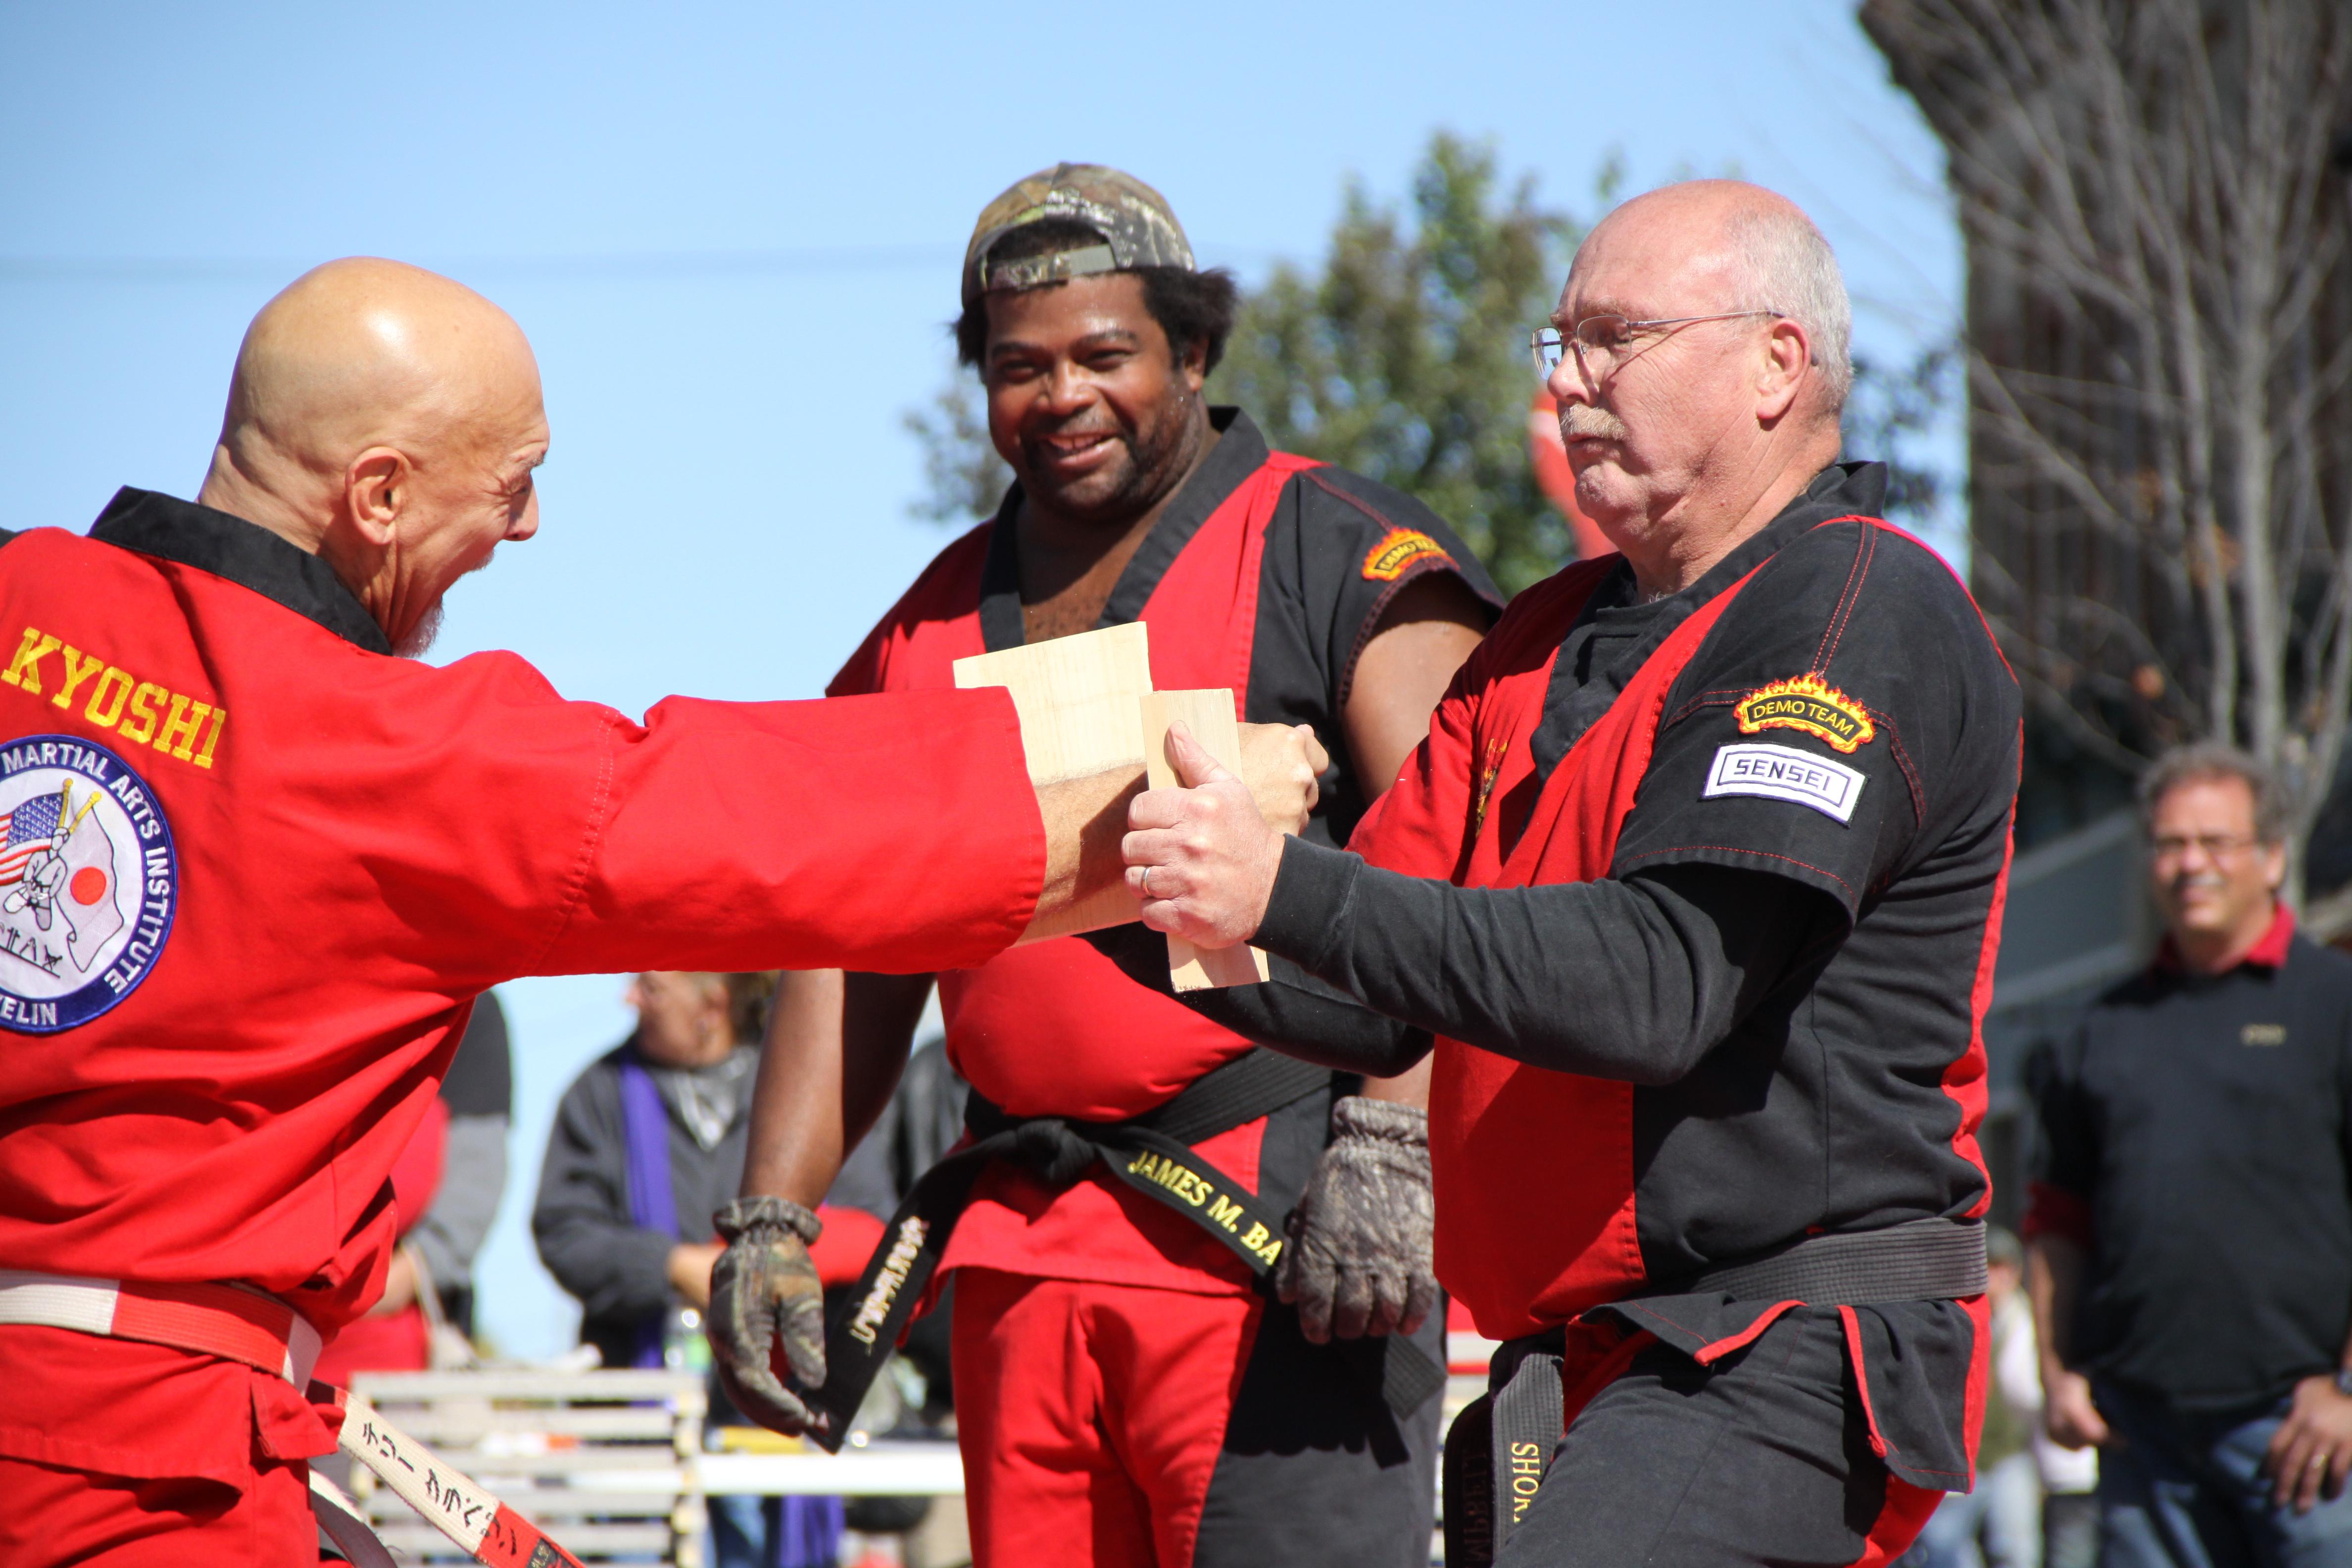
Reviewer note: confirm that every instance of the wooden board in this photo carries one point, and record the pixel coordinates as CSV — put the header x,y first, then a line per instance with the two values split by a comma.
x,y
1210,716
1078,701
1076,697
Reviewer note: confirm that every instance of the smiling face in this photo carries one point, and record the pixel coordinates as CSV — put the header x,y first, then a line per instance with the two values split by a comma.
x,y
1085,399
2214,880
387,420
476,492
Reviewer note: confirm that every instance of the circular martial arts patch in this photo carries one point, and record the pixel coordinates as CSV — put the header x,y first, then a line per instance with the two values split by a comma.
x,y
88,882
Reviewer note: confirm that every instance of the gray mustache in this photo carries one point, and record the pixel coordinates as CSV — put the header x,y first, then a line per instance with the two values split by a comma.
x,y
1580,420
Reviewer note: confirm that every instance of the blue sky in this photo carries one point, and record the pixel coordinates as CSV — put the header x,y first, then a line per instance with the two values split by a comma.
x,y
732,232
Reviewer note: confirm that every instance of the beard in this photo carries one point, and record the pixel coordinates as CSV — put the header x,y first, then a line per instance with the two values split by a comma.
x,y
419,640
1152,457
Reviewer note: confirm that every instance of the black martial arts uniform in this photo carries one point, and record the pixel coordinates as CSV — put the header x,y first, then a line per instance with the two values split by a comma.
x,y
1699,900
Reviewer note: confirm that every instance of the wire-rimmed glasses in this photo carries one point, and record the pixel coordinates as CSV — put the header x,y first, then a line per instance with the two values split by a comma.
x,y
1601,340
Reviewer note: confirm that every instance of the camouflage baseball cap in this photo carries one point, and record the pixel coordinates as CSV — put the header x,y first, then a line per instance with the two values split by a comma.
x,y
1137,226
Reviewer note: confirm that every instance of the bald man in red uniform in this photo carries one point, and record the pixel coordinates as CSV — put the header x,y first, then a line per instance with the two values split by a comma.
x,y
280,862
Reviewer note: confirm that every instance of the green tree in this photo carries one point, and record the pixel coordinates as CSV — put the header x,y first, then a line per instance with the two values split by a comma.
x,y
963,478
1405,358
1889,412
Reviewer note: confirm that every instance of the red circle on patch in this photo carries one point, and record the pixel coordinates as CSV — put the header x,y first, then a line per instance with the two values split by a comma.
x,y
89,885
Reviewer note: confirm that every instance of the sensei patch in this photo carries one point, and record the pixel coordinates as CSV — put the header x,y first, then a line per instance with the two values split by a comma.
x,y
1783,773
1398,548
88,882
1806,703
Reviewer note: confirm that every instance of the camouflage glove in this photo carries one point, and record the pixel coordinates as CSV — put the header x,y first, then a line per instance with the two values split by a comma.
x,y
1359,1261
764,1289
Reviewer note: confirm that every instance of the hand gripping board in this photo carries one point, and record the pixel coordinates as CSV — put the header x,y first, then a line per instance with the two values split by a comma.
x,y
1210,716
1086,706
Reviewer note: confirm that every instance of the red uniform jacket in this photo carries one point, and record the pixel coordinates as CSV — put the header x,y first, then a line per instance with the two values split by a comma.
x,y
1266,573
255,870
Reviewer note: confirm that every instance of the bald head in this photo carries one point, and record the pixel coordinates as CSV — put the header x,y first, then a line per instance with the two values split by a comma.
x,y
1710,326
387,420
1738,247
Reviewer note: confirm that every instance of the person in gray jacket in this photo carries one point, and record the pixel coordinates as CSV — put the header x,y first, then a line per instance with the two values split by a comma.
x,y
647,1144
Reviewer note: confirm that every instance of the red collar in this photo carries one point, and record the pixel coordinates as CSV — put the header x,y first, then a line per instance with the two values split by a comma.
x,y
2270,953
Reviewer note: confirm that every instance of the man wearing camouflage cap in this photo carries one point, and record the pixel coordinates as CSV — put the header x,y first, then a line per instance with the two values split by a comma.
x,y
1128,1388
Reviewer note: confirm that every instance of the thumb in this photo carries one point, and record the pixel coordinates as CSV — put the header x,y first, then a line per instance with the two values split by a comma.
x,y
1194,766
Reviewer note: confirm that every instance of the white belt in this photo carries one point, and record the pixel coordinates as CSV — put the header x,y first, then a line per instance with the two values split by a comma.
x,y
243,1324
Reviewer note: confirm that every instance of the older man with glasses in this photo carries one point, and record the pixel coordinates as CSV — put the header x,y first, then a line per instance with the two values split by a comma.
x,y
2191,1227
1693,890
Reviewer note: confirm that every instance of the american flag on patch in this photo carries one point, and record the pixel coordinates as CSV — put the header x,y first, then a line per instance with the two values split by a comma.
x,y
29,827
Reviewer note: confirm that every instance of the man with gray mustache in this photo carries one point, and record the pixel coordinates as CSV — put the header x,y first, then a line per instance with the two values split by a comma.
x,y
1693,893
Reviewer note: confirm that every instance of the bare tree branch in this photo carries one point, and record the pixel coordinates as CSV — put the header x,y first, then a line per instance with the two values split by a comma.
x,y
2159,359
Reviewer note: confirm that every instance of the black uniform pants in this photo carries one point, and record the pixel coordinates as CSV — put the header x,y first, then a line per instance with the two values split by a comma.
x,y
1764,1457
1125,1426
1315,1469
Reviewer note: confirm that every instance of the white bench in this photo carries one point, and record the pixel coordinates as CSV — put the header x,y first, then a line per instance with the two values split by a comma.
x,y
603,1461
611,1463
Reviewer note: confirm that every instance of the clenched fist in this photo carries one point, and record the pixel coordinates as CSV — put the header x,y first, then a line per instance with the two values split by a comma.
x,y
1202,857
764,1291
1280,763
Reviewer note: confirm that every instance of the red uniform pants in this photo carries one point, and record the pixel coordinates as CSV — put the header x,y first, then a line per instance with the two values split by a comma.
x,y
52,1517
77,1412
1091,1416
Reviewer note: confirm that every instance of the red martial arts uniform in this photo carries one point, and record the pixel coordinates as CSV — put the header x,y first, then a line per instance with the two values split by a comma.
x,y
1101,1340
255,869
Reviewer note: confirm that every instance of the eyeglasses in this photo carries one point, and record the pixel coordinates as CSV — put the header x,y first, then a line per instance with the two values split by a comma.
x,y
1599,341
2212,845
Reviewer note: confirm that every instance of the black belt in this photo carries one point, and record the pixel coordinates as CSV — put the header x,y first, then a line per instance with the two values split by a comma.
x,y
1501,1443
1152,1152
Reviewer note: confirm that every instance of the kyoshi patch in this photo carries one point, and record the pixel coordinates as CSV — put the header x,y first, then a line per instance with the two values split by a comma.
x,y
1806,703
88,882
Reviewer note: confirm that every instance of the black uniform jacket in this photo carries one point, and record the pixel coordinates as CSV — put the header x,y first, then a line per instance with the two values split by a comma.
x,y
1699,899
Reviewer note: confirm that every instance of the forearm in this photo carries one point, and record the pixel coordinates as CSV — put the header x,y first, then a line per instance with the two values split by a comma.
x,y
835,1047
614,1270
1632,980
1292,1012
1410,1087
1085,819
2053,1276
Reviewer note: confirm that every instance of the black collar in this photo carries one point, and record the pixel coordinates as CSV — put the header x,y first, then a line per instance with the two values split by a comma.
x,y
244,552
1240,452
1841,490
1571,706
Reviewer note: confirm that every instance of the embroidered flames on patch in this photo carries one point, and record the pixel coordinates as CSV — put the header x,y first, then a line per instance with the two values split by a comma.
x,y
1806,703
1397,550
